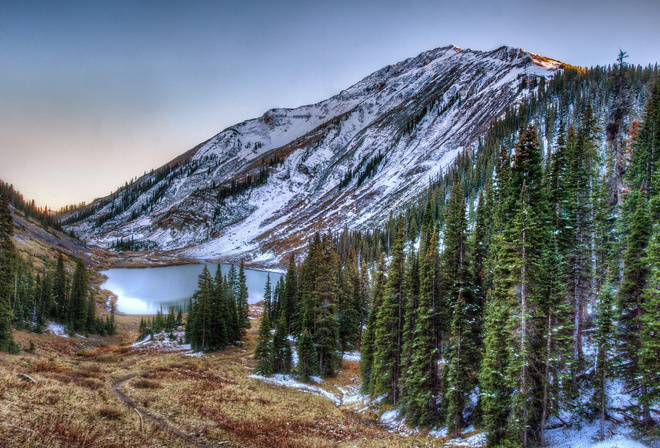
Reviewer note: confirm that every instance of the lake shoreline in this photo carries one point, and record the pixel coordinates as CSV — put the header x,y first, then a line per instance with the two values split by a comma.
x,y
146,290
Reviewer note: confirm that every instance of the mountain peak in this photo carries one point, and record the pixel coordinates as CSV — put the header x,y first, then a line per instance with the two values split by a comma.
x,y
262,186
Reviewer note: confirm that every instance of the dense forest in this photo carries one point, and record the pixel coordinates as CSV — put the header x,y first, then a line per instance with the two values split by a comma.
x,y
519,312
510,296
29,296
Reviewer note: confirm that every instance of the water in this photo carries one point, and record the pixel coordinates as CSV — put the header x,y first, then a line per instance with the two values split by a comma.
x,y
145,290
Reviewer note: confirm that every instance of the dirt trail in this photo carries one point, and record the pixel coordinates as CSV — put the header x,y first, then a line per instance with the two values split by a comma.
x,y
161,423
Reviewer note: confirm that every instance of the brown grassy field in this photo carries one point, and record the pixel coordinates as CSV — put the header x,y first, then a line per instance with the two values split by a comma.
x,y
210,399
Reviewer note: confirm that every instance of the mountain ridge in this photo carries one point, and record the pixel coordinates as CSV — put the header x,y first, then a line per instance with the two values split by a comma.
x,y
407,121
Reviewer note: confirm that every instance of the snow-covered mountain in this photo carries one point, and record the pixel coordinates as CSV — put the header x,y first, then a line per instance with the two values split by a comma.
x,y
350,160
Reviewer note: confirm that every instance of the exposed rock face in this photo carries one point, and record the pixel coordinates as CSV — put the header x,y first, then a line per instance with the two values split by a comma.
x,y
349,160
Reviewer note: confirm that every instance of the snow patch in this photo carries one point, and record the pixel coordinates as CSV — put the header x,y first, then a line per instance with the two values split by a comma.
x,y
56,329
283,380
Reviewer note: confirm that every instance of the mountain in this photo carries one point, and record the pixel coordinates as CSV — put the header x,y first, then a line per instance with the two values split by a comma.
x,y
259,188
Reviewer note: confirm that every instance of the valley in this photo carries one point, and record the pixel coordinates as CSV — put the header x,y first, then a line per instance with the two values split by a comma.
x,y
463,251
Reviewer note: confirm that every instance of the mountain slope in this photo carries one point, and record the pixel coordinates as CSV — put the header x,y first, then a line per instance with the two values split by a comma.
x,y
261,186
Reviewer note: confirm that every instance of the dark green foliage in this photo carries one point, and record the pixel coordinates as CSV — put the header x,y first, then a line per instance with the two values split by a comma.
x,y
281,348
289,295
77,316
213,319
268,297
389,328
263,351
43,216
60,289
242,300
307,356
7,255
369,336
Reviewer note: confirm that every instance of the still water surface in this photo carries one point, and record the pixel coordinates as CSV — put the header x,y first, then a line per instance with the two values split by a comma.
x,y
145,290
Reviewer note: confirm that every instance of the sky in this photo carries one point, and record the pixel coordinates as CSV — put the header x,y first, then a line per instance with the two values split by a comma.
x,y
94,93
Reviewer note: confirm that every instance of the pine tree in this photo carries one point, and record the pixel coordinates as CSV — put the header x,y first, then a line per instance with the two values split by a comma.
x,y
219,313
268,297
7,256
199,328
369,336
242,300
649,361
635,274
307,357
79,302
421,377
604,339
389,327
263,351
465,331
60,289
281,348
289,295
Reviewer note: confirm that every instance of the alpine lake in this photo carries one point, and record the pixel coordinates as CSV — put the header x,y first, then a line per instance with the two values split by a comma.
x,y
147,290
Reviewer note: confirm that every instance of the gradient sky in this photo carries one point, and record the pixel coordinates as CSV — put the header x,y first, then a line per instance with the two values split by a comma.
x,y
93,93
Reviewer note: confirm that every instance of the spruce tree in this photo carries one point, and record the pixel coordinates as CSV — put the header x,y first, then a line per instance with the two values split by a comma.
x,y
649,361
60,289
199,328
389,327
421,377
268,297
263,351
465,326
242,300
79,302
307,357
631,296
281,348
289,295
219,313
7,256
369,336
604,333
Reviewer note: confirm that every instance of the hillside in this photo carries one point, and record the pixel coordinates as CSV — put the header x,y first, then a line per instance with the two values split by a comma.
x,y
259,188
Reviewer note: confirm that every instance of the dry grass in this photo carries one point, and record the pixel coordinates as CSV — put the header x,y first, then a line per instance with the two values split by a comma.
x,y
73,405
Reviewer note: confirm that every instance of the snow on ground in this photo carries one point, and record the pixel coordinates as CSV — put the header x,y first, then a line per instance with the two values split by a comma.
x,y
289,381
56,329
163,341
587,437
352,356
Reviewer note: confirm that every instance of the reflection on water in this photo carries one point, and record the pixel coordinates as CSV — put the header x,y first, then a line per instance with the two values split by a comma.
x,y
145,290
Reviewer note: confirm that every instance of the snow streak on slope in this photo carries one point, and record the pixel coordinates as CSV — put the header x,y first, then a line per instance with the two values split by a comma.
x,y
405,123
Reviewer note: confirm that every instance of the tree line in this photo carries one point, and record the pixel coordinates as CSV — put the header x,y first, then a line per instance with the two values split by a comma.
x,y
30,297
218,310
539,302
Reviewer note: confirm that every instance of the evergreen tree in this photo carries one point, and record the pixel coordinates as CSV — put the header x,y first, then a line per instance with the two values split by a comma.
x,y
60,289
635,274
604,339
289,295
7,256
465,331
421,378
242,300
649,361
263,352
268,297
79,303
307,357
219,313
281,348
199,328
389,327
369,336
